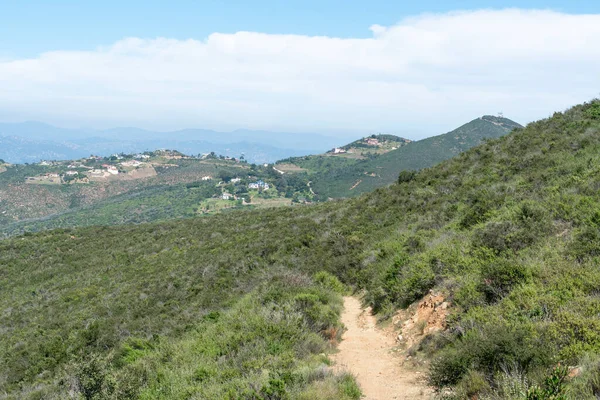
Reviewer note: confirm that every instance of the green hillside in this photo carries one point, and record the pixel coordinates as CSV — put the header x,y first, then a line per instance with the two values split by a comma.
x,y
365,176
176,191
343,157
246,305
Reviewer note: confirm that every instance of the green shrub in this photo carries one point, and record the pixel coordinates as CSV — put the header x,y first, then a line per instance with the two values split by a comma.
x,y
586,243
500,276
349,387
593,110
473,384
330,282
553,387
406,176
406,283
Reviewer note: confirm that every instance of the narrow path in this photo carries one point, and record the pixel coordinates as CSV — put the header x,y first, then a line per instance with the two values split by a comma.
x,y
365,351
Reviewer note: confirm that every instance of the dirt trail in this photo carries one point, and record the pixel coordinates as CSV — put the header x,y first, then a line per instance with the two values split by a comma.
x,y
365,351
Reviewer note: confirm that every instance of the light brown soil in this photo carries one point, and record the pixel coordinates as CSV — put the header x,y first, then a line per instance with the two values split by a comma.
x,y
368,353
356,184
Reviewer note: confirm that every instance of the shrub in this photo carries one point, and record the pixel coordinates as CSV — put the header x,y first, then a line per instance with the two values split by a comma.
x,y
330,282
471,385
586,243
449,368
406,176
553,388
593,110
500,276
407,283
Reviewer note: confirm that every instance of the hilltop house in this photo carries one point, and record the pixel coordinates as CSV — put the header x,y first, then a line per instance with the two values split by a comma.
x,y
131,163
259,185
337,150
372,142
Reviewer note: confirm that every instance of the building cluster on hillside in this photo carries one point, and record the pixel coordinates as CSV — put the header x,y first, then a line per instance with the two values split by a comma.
x,y
372,141
131,163
45,163
259,185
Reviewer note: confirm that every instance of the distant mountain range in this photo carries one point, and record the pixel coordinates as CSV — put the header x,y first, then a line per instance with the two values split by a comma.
x,y
29,142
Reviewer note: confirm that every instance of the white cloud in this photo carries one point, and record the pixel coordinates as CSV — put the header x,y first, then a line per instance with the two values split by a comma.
x,y
430,72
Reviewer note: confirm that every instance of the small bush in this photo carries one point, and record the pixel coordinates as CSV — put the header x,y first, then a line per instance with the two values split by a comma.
x,y
330,282
553,388
406,176
472,385
586,243
500,276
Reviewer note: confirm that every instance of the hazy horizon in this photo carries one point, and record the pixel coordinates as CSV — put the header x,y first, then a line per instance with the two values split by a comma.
x,y
419,70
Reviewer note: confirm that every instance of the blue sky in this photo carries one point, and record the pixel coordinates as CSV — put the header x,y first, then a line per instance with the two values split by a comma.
x,y
30,27
348,67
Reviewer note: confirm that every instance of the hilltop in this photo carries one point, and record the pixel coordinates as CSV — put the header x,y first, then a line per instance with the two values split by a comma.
x,y
367,175
343,156
503,238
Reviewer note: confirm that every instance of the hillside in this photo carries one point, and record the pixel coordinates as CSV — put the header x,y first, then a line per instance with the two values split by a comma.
x,y
247,305
367,175
343,156
153,186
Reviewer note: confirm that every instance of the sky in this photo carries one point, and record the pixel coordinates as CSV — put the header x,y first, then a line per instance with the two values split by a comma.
x,y
412,68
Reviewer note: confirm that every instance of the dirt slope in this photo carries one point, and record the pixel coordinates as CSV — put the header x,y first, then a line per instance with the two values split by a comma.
x,y
366,352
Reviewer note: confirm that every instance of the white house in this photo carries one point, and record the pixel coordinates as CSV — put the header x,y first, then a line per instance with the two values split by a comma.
x,y
227,196
71,173
259,185
235,180
337,150
206,178
132,163
112,170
